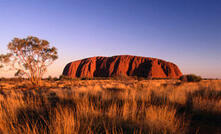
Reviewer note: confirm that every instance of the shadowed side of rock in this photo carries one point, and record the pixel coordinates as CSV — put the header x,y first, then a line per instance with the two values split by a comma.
x,y
122,65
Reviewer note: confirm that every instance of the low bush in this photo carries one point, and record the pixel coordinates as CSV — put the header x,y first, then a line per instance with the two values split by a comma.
x,y
190,78
63,77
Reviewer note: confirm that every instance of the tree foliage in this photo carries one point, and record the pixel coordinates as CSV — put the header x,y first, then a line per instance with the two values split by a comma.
x,y
4,59
30,57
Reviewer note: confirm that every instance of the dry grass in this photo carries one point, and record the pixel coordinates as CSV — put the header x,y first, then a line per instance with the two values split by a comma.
x,y
110,107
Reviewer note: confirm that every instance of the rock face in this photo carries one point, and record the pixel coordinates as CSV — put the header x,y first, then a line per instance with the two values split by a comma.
x,y
122,65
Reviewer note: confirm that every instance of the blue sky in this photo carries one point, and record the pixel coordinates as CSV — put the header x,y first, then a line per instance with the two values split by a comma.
x,y
186,32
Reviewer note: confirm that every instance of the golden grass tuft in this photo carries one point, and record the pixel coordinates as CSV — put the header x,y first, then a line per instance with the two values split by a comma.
x,y
111,107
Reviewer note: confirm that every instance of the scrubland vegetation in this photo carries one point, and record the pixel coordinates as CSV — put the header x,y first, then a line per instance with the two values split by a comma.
x,y
190,78
110,107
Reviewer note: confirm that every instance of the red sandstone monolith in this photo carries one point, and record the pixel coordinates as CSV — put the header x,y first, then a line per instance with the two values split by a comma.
x,y
125,65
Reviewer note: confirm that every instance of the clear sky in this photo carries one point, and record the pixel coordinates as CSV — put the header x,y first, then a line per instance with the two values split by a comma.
x,y
186,32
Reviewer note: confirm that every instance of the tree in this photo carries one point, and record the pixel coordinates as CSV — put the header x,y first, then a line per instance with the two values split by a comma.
x,y
30,57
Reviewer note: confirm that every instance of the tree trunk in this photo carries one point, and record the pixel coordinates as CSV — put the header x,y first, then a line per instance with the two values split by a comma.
x,y
35,81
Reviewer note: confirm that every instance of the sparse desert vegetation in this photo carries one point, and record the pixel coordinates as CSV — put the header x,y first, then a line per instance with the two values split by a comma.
x,y
110,106
190,78
110,67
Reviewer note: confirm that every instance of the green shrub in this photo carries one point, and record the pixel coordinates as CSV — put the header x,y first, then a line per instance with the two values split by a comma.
x,y
190,78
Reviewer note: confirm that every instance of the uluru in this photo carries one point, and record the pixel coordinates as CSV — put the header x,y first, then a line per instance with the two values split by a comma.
x,y
125,65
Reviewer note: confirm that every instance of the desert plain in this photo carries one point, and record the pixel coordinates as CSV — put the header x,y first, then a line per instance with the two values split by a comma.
x,y
110,106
